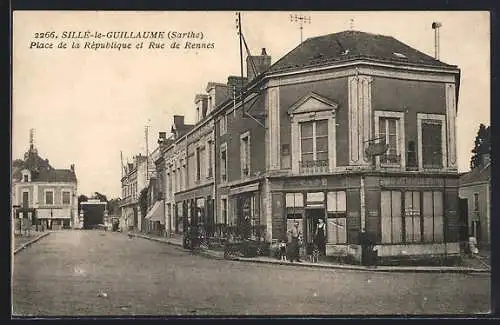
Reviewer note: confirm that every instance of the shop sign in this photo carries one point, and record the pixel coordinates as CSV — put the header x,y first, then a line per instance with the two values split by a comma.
x,y
306,182
411,182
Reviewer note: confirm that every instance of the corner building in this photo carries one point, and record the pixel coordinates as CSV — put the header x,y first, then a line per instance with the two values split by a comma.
x,y
302,150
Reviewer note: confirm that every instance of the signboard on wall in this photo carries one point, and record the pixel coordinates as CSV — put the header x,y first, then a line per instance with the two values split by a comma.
x,y
411,182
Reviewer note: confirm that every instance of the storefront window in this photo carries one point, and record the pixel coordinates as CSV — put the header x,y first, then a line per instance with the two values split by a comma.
x,y
391,223
336,226
433,217
412,217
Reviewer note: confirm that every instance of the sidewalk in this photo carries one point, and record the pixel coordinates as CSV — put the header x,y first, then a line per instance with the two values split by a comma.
x,y
20,242
177,241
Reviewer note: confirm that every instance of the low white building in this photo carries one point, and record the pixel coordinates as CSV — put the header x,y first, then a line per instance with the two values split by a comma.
x,y
42,194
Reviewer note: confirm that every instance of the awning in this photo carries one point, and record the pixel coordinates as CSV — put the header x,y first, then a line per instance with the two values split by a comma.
x,y
244,189
157,212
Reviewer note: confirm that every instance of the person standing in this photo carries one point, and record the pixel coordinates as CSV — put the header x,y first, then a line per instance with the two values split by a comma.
x,y
320,237
294,242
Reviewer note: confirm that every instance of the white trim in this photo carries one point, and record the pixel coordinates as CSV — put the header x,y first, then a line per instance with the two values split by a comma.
x,y
248,154
440,117
45,191
400,131
274,128
374,69
359,107
450,94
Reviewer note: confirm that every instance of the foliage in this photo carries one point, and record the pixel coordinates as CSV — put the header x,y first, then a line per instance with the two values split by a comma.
x,y
113,206
18,163
100,197
82,198
482,145
143,201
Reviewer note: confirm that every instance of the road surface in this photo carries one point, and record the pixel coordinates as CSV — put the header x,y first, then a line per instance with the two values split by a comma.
x,y
91,273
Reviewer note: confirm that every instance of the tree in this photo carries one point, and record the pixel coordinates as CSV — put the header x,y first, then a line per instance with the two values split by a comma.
x,y
482,145
113,206
81,198
143,201
100,197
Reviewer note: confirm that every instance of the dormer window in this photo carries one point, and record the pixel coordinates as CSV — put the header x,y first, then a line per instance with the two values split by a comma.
x,y
26,176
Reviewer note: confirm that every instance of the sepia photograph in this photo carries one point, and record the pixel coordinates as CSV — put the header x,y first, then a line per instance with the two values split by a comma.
x,y
250,163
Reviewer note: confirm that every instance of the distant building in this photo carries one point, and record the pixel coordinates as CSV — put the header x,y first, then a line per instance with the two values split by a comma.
x,y
133,181
43,194
475,188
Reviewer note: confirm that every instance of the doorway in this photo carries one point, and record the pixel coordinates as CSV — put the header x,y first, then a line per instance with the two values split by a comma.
x,y
312,216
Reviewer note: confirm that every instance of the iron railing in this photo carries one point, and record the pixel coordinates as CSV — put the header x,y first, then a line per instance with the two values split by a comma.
x,y
313,166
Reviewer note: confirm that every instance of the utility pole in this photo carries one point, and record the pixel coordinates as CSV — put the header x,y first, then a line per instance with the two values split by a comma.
x,y
301,19
146,130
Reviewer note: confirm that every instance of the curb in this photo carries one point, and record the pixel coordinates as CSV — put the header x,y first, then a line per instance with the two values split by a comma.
x,y
368,269
27,244
325,266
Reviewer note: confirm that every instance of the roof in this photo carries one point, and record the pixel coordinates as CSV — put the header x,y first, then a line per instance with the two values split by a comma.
x,y
349,45
481,174
41,170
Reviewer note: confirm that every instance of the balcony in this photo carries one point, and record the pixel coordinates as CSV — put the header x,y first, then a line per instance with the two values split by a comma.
x,y
390,159
313,166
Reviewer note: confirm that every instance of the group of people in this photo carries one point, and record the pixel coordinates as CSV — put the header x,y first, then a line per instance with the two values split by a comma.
x,y
291,248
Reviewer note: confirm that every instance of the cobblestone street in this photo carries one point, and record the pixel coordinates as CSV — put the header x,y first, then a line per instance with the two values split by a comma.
x,y
105,273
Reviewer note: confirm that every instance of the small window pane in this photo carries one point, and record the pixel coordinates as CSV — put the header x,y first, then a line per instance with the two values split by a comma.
x,y
307,157
307,145
341,201
322,128
331,201
322,144
306,130
385,209
397,235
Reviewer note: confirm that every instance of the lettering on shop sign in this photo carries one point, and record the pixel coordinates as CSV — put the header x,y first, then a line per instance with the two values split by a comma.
x,y
317,182
373,213
407,182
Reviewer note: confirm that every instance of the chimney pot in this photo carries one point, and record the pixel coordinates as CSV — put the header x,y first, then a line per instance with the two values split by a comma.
x,y
263,51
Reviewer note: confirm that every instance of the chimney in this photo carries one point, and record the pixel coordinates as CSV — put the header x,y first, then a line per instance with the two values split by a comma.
x,y
162,136
262,63
178,121
72,167
234,83
201,102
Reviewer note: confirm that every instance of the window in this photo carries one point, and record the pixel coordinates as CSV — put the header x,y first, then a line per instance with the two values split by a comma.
x,y
314,140
26,199
223,125
432,154
66,197
198,167
433,217
389,132
223,162
411,155
294,203
245,154
49,197
431,141
390,209
412,217
25,178
209,158
476,202
336,225
223,209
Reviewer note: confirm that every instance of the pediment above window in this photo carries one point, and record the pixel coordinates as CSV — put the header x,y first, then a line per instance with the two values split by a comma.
x,y
312,103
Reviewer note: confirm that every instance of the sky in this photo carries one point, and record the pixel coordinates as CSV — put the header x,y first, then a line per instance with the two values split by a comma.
x,y
88,106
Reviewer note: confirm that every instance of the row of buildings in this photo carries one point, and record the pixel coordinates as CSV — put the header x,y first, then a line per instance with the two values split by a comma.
x,y
354,128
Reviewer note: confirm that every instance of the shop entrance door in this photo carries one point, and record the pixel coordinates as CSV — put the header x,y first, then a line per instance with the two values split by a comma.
x,y
312,216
